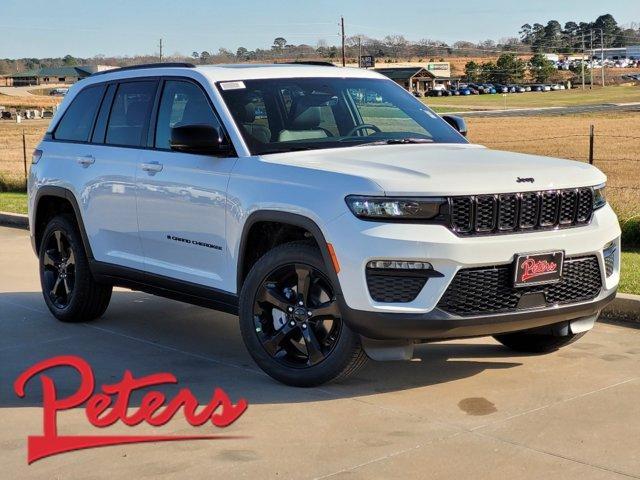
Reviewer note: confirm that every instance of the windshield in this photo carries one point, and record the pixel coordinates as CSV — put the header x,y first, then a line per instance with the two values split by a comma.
x,y
288,114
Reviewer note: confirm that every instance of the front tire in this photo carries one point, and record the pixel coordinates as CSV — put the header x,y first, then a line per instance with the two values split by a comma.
x,y
68,287
291,322
531,342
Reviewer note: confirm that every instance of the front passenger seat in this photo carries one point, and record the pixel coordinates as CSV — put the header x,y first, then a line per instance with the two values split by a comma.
x,y
305,123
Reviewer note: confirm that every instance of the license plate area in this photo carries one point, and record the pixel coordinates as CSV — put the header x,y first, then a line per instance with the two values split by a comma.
x,y
538,268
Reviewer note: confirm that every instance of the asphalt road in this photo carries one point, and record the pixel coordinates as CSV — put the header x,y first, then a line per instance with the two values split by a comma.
x,y
552,111
463,409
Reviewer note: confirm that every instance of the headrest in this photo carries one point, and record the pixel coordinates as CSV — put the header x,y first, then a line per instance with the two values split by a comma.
x,y
245,113
307,119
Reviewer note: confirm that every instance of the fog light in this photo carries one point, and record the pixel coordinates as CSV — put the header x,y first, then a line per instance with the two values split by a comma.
x,y
399,265
609,253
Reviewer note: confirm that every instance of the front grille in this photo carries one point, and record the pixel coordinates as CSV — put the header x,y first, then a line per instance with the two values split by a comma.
x,y
387,287
507,213
486,290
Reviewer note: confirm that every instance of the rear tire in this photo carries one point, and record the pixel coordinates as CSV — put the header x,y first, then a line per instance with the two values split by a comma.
x,y
530,342
69,289
290,319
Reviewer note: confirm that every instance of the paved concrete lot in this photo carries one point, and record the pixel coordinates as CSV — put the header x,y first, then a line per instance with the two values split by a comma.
x,y
465,409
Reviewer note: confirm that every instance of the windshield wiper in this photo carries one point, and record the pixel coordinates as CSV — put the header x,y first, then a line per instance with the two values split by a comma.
x,y
397,141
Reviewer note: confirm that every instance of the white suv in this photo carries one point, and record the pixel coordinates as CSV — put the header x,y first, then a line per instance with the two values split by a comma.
x,y
338,216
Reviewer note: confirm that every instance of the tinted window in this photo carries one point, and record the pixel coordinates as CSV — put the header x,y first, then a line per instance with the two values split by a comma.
x,y
183,103
130,113
77,121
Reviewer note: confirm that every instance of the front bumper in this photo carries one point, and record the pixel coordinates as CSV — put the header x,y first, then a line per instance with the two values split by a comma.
x,y
439,325
357,242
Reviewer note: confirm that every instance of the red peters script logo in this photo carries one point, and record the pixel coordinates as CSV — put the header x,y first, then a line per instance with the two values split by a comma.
x,y
534,268
106,408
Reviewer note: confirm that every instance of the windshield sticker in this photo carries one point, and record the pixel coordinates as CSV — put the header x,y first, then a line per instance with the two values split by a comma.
x,y
232,85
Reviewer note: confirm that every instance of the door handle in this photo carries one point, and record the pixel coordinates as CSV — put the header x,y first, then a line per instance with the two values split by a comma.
x,y
86,160
152,167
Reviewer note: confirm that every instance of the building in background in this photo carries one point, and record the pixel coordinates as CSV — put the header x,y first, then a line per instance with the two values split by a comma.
x,y
630,52
420,79
56,75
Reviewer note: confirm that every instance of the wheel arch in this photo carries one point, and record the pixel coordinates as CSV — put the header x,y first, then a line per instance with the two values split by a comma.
x,y
286,219
51,200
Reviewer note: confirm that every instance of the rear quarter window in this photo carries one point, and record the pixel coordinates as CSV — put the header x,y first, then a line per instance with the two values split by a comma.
x,y
77,121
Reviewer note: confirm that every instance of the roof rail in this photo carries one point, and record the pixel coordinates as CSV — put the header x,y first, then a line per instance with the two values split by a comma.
x,y
148,65
317,63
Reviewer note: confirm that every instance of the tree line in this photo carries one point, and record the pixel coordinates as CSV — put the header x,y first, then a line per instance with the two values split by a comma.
x,y
536,38
509,68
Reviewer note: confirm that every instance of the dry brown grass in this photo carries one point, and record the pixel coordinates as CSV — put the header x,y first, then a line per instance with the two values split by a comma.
x,y
567,137
31,101
11,153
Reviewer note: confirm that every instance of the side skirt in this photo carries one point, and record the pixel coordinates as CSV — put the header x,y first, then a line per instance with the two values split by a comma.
x,y
164,287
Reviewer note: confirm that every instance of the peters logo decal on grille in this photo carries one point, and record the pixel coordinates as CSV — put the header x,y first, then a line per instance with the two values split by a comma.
x,y
525,180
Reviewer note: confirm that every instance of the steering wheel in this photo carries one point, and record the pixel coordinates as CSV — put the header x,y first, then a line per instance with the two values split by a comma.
x,y
364,126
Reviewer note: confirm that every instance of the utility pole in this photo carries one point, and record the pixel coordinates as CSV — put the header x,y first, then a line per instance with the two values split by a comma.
x,y
344,60
582,62
160,50
359,51
590,59
602,53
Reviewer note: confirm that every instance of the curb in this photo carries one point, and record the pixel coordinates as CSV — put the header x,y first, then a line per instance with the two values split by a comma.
x,y
15,220
625,307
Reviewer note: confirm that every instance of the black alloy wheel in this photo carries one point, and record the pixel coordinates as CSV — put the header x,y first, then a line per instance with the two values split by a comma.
x,y
59,263
296,315
291,320
69,289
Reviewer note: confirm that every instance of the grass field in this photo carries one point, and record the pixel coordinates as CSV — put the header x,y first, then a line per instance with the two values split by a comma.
x,y
14,202
34,101
630,280
560,98
11,151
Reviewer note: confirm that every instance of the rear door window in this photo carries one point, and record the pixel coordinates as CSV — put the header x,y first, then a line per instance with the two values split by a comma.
x,y
77,122
130,113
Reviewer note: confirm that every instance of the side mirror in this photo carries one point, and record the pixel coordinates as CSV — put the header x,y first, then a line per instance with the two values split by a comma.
x,y
456,122
198,138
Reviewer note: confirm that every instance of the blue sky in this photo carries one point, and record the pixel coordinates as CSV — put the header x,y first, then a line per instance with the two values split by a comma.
x,y
39,28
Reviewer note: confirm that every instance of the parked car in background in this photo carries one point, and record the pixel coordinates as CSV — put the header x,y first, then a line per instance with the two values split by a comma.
x,y
537,88
501,88
546,88
527,88
417,94
59,92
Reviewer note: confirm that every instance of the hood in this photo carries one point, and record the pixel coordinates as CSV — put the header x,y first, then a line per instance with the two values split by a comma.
x,y
446,169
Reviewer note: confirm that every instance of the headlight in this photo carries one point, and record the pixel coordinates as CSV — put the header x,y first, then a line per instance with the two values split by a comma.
x,y
599,199
390,208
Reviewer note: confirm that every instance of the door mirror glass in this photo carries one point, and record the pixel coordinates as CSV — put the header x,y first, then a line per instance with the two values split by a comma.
x,y
457,123
198,138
